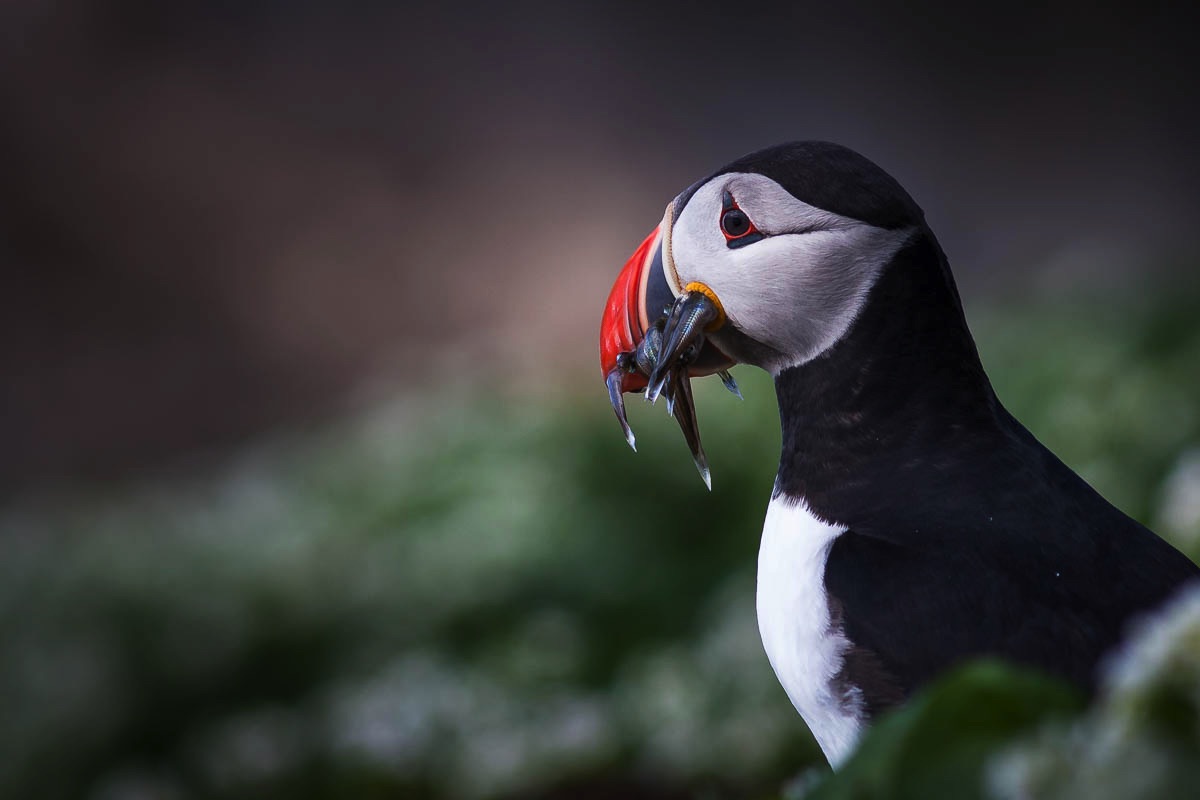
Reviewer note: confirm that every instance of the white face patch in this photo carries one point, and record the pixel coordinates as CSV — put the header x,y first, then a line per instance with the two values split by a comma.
x,y
798,289
804,649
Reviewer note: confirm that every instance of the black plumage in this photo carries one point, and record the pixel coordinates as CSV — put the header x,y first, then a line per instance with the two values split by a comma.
x,y
915,524
965,536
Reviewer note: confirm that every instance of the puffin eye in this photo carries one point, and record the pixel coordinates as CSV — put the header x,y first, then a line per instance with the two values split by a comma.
x,y
735,223
737,227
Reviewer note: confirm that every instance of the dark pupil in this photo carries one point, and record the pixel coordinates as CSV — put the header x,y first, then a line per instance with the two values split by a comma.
x,y
734,222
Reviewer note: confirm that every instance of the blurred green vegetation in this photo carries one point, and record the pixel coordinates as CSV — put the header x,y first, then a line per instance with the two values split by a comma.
x,y
939,744
473,593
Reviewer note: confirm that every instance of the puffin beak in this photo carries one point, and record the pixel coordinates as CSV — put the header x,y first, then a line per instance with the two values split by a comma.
x,y
652,337
623,328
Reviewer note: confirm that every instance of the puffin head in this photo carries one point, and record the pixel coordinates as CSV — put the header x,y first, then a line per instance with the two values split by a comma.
x,y
766,262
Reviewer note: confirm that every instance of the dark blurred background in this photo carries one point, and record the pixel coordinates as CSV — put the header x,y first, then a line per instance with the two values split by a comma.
x,y
220,218
314,288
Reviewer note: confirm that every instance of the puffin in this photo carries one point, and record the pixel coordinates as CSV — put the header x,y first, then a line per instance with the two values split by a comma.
x,y
914,523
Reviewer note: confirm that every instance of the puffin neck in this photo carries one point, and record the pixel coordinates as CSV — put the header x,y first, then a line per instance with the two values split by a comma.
x,y
902,391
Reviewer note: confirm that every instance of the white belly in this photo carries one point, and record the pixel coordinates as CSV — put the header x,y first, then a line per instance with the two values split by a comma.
x,y
793,619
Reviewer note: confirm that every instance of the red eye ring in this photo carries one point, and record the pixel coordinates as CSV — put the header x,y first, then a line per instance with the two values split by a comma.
x,y
734,223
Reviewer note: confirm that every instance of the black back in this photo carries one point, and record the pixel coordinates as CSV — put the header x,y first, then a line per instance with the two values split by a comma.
x,y
966,536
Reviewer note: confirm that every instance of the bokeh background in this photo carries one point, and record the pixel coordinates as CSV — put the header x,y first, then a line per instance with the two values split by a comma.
x,y
308,484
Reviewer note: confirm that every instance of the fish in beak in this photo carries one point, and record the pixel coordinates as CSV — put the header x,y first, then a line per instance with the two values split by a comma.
x,y
653,338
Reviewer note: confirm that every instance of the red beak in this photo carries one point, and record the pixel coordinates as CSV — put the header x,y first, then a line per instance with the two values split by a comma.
x,y
639,352
624,323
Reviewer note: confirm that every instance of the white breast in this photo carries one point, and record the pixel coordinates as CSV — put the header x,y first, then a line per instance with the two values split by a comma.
x,y
793,619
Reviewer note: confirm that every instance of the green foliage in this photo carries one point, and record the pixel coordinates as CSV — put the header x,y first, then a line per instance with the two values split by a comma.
x,y
1141,739
938,745
470,597
475,594
993,731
